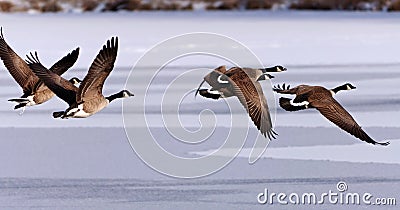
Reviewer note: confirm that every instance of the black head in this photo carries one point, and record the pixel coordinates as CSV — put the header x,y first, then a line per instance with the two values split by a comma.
x,y
269,76
280,68
75,80
349,86
276,69
125,94
265,77
346,86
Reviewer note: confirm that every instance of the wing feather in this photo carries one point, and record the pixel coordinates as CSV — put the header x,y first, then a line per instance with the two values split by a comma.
x,y
335,113
60,86
17,67
103,64
251,96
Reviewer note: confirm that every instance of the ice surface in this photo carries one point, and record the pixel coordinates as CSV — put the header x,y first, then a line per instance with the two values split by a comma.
x,y
346,153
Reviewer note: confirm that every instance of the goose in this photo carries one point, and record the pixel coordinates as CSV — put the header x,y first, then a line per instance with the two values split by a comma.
x,y
322,99
88,98
34,91
244,84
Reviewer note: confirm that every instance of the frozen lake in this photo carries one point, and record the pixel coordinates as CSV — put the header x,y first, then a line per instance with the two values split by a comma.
x,y
89,163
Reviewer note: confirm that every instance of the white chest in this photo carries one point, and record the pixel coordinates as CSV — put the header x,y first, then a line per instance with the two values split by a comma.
x,y
31,101
78,112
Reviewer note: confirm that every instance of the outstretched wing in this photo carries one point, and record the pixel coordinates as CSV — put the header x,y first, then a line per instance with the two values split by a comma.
x,y
60,86
61,66
251,96
65,63
335,113
103,64
17,67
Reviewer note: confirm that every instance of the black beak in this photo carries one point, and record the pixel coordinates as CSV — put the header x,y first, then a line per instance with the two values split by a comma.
x,y
197,91
269,76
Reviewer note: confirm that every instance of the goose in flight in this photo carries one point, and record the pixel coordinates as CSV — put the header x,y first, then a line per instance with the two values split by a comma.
x,y
322,99
88,99
244,84
34,91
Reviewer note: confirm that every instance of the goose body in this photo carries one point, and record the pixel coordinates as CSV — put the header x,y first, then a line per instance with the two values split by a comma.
x,y
320,98
34,90
87,99
244,84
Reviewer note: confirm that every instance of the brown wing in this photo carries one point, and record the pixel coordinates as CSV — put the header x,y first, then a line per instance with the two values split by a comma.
x,y
60,67
60,86
212,77
65,63
335,113
103,64
251,96
17,67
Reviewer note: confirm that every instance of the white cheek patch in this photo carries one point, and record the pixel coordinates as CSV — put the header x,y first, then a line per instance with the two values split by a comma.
x,y
219,79
303,103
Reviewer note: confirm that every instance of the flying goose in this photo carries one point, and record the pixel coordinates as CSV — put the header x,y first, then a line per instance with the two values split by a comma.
x,y
34,91
244,84
322,99
88,98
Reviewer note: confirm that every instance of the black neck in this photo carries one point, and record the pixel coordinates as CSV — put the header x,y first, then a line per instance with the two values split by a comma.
x,y
339,88
269,69
113,97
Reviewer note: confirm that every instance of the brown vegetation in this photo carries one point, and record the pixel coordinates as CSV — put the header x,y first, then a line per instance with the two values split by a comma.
x,y
89,5
133,5
223,5
395,6
6,6
338,4
50,6
260,4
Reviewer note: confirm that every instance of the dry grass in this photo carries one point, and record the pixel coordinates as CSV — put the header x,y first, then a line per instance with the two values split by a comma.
x,y
260,4
89,5
223,5
394,6
311,5
338,4
6,6
51,6
133,5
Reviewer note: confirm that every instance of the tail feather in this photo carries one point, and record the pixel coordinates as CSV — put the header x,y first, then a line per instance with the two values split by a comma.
x,y
18,106
19,100
383,143
286,105
58,114
207,94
